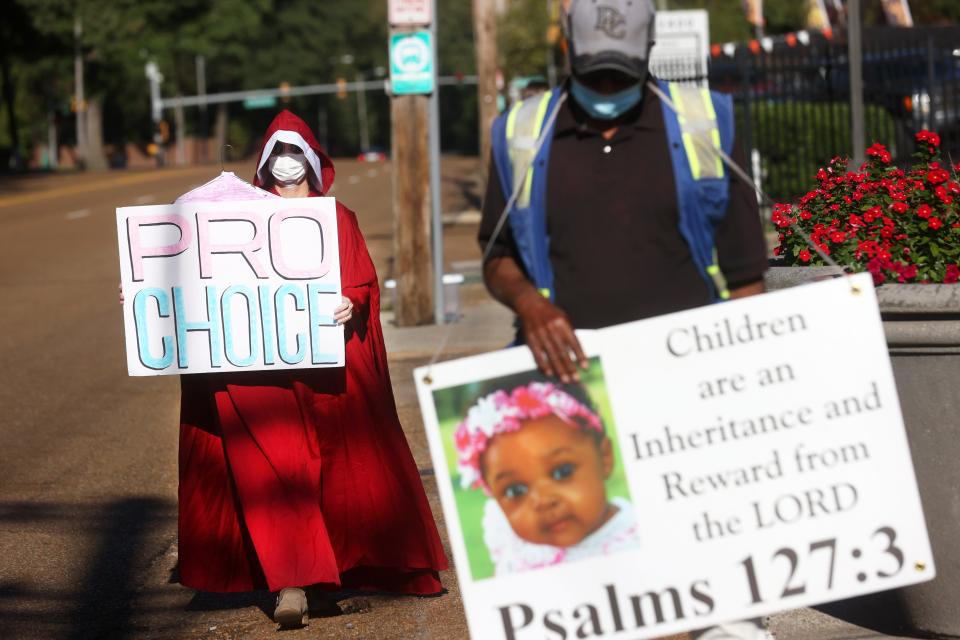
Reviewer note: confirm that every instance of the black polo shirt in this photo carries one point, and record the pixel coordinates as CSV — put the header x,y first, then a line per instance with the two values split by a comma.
x,y
615,247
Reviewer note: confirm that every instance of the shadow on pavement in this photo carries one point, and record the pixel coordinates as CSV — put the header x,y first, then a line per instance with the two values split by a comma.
x,y
100,604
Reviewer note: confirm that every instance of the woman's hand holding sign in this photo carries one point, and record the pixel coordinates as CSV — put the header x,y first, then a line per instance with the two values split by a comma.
x,y
344,312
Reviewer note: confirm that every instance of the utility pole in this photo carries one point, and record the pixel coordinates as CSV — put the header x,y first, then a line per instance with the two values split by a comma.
x,y
412,81
362,114
180,122
553,36
855,55
436,211
485,42
80,99
156,109
201,64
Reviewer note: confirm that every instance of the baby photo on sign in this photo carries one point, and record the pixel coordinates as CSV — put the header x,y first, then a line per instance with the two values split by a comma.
x,y
537,475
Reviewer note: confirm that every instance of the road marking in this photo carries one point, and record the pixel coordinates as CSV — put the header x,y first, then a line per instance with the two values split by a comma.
x,y
90,184
79,213
353,179
147,199
372,173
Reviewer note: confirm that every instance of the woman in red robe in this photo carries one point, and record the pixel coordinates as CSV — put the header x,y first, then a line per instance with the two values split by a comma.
x,y
304,477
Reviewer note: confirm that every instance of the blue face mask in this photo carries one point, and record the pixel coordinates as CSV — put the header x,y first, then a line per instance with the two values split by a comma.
x,y
605,106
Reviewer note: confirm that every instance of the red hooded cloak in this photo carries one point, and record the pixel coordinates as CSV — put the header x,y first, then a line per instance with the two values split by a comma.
x,y
301,477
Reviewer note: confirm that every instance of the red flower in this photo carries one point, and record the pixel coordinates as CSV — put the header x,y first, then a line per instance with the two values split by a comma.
x,y
805,215
879,151
908,273
872,214
804,255
929,137
936,176
942,194
838,236
900,207
935,223
924,211
953,274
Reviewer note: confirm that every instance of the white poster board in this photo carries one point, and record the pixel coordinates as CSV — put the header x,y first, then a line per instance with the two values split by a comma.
x,y
682,49
757,462
230,286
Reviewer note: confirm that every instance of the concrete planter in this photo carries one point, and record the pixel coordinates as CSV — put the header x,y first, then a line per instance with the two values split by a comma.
x,y
922,325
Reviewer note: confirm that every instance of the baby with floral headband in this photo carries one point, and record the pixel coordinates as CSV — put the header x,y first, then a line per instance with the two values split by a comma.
x,y
539,450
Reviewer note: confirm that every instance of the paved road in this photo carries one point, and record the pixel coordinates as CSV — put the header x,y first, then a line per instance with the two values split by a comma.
x,y
88,455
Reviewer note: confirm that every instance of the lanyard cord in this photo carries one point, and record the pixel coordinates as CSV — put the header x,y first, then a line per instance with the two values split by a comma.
x,y
547,130
735,168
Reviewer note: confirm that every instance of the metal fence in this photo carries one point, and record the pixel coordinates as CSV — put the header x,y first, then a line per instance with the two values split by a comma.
x,y
793,100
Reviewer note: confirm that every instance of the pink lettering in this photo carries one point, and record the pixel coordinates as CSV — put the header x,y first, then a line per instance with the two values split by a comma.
x,y
247,249
138,252
276,251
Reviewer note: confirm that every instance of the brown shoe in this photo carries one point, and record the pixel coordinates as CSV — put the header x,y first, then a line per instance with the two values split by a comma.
x,y
291,608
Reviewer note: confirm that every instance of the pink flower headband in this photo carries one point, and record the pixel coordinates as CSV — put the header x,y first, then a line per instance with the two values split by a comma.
x,y
500,412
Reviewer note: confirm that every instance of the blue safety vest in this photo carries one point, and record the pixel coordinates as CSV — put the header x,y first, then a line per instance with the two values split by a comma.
x,y
705,119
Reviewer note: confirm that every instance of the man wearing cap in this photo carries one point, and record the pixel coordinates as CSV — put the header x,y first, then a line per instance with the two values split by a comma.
x,y
619,207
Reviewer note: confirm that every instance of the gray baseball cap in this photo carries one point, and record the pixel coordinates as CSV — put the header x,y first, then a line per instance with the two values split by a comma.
x,y
611,34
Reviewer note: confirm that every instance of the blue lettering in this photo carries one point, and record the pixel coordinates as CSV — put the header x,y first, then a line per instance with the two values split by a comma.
x,y
266,314
140,321
211,326
252,322
300,305
317,320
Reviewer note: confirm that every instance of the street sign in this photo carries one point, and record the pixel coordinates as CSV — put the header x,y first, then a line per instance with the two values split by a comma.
x,y
407,13
411,63
260,102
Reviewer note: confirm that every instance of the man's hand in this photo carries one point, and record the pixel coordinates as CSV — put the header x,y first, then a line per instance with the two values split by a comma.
x,y
550,337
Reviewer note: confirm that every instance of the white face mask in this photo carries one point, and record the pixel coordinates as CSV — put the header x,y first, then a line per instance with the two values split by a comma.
x,y
288,169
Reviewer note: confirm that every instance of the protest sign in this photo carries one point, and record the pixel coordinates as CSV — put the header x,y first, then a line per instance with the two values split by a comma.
x,y
716,464
230,286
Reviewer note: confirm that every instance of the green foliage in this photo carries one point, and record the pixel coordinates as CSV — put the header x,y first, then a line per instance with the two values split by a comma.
x,y
522,38
246,44
807,134
900,225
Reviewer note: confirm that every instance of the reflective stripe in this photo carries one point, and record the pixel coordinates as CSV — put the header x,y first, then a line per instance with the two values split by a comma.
x,y
719,281
541,113
512,121
524,124
698,124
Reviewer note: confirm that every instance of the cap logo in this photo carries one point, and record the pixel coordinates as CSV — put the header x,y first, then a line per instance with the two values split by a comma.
x,y
611,22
